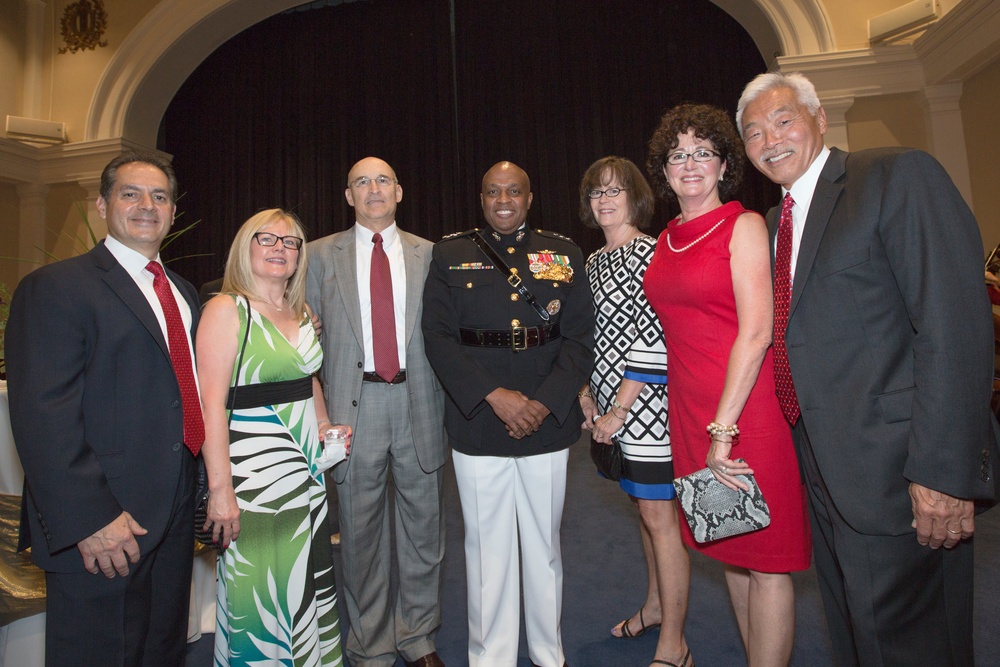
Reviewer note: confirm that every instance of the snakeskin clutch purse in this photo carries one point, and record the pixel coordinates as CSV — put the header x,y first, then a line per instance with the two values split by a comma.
x,y
714,511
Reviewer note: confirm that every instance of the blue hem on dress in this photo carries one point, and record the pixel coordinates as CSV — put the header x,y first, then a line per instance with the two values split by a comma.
x,y
647,491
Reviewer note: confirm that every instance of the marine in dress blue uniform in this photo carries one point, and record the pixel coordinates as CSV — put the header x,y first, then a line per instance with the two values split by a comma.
x,y
511,414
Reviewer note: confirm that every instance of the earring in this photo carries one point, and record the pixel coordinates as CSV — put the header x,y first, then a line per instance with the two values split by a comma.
x,y
720,178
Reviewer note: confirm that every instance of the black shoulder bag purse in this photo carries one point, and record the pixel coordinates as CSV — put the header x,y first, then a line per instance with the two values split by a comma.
x,y
202,534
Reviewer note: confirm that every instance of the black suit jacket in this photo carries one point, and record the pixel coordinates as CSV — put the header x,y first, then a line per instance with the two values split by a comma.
x,y
889,337
458,295
94,403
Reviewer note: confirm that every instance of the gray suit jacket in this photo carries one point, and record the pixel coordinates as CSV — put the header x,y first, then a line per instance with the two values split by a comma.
x,y
332,293
889,337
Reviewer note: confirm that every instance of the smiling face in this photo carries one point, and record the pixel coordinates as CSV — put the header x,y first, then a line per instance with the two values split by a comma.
x,y
139,210
374,202
277,261
782,137
611,213
505,197
694,182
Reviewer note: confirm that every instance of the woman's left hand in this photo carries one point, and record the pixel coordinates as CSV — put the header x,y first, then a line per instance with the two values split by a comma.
x,y
223,516
605,427
724,468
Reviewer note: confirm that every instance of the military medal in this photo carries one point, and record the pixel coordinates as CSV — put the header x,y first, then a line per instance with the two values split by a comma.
x,y
553,307
547,265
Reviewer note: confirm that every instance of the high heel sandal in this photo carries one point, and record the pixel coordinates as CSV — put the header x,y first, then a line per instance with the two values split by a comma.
x,y
683,663
628,634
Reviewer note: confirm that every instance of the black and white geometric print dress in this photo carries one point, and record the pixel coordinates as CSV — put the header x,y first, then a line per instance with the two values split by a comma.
x,y
629,343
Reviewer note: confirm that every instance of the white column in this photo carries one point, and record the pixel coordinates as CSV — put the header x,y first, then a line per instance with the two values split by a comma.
x,y
31,223
92,184
34,53
945,136
836,107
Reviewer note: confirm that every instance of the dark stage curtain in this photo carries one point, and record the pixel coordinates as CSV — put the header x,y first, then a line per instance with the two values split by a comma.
x,y
440,89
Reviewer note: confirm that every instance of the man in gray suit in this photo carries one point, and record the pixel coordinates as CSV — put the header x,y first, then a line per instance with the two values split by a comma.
x,y
883,353
377,379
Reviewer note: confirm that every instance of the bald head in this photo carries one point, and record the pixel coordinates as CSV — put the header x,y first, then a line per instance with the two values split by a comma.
x,y
373,191
505,197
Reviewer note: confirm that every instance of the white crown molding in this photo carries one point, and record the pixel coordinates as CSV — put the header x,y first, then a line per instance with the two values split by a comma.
x,y
881,70
63,163
962,42
803,26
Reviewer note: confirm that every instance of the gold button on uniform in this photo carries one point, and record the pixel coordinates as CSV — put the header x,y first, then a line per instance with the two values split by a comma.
x,y
469,285
515,323
510,251
513,297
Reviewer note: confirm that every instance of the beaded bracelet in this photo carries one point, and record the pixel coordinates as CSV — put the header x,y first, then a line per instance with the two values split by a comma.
x,y
715,428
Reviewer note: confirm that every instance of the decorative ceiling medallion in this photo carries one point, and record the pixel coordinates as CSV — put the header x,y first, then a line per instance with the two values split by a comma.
x,y
83,24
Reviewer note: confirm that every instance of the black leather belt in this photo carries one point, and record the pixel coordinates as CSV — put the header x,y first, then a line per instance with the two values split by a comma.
x,y
515,338
375,377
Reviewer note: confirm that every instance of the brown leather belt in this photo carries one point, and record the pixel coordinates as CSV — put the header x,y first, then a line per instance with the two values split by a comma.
x,y
515,338
375,377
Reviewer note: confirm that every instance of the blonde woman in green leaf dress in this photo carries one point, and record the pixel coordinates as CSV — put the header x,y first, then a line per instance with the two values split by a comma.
x,y
277,603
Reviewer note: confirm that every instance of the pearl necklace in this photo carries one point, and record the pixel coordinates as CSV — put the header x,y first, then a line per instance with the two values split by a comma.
x,y
700,238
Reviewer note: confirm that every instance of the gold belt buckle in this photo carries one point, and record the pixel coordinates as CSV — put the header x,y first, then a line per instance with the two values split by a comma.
x,y
523,344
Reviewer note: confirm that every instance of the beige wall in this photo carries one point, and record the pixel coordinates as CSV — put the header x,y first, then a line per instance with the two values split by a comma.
x,y
887,120
849,19
11,47
980,119
10,233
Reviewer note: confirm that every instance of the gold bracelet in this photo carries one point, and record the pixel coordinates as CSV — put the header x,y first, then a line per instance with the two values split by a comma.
x,y
616,404
715,428
585,393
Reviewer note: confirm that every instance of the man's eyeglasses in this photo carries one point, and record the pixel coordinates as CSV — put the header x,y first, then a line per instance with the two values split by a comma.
x,y
700,155
267,240
611,192
381,181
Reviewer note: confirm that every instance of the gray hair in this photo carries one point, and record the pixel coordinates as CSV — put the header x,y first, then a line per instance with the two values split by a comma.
x,y
803,88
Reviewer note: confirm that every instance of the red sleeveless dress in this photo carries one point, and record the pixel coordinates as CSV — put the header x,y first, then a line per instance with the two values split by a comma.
x,y
691,291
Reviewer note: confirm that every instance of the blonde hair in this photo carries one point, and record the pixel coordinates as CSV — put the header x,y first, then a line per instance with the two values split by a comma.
x,y
239,278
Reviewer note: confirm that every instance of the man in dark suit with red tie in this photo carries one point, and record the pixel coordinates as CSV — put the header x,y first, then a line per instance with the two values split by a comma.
x,y
883,361
107,421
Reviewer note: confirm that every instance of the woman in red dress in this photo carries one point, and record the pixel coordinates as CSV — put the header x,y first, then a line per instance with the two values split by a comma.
x,y
710,284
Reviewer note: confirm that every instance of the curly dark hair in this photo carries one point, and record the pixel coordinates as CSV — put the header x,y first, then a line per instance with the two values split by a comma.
x,y
708,122
613,168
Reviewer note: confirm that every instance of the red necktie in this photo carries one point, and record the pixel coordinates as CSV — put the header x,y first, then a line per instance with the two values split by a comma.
x,y
180,357
383,314
782,300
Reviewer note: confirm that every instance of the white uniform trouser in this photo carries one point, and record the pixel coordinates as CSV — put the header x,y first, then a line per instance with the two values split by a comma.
x,y
504,499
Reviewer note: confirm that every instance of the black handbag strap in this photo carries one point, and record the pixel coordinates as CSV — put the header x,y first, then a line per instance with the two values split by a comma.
x,y
239,364
513,279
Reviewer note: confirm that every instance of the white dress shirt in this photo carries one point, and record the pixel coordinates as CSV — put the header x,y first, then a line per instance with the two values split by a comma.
x,y
802,192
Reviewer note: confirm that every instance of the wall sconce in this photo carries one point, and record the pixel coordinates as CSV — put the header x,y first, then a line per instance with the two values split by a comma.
x,y
83,24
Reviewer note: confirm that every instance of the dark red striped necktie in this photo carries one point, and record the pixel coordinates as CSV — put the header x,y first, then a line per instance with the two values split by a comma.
x,y
180,357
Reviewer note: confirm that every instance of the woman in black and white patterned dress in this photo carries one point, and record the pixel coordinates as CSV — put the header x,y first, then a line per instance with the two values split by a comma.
x,y
627,394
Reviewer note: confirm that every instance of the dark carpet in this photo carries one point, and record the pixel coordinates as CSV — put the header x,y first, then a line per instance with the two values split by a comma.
x,y
604,579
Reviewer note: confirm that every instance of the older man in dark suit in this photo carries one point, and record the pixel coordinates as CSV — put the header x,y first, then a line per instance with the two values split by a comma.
x,y
107,420
883,354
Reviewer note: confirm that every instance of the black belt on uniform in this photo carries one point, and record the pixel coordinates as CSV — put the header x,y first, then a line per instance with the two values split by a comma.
x,y
375,377
515,338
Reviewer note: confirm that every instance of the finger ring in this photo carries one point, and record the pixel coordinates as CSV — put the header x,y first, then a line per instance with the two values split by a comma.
x,y
953,532
725,470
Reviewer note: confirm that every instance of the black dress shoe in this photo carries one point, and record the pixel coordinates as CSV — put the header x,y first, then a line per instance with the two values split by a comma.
x,y
534,665
429,660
